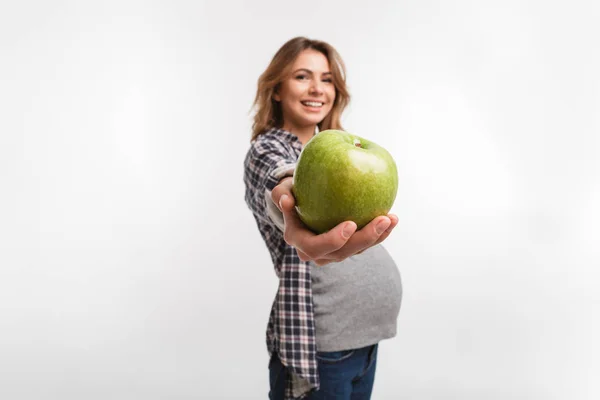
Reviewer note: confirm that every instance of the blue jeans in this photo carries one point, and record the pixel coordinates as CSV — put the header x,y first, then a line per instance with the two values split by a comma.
x,y
344,375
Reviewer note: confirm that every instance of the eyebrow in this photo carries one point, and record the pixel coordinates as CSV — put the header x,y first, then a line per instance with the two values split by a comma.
x,y
309,71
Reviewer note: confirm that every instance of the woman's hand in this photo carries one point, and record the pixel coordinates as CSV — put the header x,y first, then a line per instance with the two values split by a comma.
x,y
335,245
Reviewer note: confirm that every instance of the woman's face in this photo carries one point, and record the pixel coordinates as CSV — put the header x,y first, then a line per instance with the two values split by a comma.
x,y
307,96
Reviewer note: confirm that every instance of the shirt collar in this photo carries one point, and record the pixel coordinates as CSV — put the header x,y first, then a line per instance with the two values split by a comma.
x,y
287,136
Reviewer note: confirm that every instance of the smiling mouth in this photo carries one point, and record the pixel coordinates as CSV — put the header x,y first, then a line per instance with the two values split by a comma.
x,y
312,103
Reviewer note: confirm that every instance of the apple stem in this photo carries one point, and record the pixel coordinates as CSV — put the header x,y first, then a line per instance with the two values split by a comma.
x,y
357,143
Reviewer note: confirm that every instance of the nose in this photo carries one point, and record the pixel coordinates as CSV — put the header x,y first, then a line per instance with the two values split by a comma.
x,y
316,88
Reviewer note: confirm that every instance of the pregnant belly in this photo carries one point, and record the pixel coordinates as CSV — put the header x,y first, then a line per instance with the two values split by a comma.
x,y
362,290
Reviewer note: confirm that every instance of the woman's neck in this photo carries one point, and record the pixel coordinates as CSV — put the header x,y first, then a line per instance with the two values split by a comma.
x,y
303,134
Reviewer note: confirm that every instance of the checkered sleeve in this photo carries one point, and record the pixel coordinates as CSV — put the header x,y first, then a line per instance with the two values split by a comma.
x,y
266,163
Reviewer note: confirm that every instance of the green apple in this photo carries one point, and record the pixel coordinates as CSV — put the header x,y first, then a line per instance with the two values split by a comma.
x,y
343,177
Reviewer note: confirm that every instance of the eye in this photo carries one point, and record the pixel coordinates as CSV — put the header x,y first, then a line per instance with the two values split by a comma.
x,y
301,76
328,80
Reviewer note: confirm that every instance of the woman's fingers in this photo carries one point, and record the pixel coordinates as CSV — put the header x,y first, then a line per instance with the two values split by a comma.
x,y
362,239
394,219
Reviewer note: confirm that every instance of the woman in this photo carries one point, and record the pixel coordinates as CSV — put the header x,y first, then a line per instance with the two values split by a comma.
x,y
339,292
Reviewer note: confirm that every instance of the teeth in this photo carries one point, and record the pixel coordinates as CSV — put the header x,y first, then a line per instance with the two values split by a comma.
x,y
312,103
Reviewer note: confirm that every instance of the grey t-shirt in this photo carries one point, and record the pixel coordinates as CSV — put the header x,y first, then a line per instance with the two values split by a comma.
x,y
356,301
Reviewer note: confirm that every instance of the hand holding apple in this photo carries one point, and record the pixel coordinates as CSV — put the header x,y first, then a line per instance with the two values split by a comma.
x,y
335,245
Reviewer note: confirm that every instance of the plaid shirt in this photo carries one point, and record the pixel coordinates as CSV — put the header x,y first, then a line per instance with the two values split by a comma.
x,y
291,327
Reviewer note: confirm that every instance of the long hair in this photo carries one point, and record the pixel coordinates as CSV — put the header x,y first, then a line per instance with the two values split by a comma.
x,y
268,111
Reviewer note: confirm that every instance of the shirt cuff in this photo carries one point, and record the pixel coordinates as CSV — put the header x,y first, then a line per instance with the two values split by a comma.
x,y
272,211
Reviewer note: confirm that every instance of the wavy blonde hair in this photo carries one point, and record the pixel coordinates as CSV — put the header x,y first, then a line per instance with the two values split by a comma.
x,y
268,112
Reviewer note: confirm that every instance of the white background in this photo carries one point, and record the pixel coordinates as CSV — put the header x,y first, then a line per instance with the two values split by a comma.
x,y
130,267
